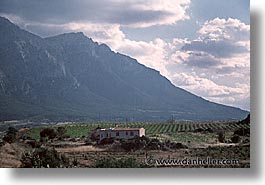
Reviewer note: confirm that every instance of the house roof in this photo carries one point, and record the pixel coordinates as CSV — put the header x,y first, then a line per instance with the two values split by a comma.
x,y
126,129
120,129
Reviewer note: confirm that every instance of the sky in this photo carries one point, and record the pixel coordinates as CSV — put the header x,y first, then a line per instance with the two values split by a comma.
x,y
202,46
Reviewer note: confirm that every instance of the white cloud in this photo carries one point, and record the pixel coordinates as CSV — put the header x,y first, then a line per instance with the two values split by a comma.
x,y
175,11
221,29
216,65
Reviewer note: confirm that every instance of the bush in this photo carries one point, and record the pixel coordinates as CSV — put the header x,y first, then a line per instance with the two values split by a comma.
x,y
242,132
199,130
33,143
173,145
48,132
154,144
110,162
44,158
235,139
106,141
178,146
61,132
221,137
11,135
133,144
149,144
209,130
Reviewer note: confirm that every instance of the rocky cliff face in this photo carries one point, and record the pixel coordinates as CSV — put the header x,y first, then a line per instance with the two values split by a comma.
x,y
71,77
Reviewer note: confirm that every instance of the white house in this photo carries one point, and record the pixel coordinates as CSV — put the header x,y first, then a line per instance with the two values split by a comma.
x,y
119,133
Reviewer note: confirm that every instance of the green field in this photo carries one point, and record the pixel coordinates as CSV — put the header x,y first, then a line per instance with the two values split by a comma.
x,y
151,129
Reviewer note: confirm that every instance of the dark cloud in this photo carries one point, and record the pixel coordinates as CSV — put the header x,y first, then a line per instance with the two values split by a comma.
x,y
64,11
227,70
137,16
201,60
221,48
49,11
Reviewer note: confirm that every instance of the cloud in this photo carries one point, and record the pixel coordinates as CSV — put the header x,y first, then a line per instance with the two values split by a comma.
x,y
217,48
225,29
216,65
140,13
221,38
198,59
229,95
208,88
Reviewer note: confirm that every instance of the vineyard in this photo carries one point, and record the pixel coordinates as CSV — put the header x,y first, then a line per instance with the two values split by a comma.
x,y
199,140
82,129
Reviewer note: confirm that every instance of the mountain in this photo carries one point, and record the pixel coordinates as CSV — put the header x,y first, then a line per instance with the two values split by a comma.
x,y
71,77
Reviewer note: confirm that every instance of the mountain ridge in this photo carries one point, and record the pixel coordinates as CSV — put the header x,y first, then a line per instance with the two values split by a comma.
x,y
69,76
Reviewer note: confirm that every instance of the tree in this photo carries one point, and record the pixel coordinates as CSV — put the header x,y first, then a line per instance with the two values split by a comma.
x,y
44,158
11,135
61,131
48,132
235,139
221,137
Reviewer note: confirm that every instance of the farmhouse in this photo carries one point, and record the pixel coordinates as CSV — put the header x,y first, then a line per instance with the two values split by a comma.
x,y
117,133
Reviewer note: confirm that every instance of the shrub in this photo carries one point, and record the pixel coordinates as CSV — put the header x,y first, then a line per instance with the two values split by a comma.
x,y
235,138
11,135
106,141
75,162
33,143
198,130
242,132
209,130
110,162
154,144
61,132
221,137
133,144
48,132
44,158
179,146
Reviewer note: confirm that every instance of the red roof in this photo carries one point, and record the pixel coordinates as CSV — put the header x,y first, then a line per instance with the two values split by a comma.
x,y
126,129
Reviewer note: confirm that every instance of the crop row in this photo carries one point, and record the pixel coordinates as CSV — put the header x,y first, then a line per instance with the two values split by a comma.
x,y
78,130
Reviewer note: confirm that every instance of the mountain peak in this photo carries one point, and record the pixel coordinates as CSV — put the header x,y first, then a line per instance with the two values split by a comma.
x,y
4,22
71,36
77,34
